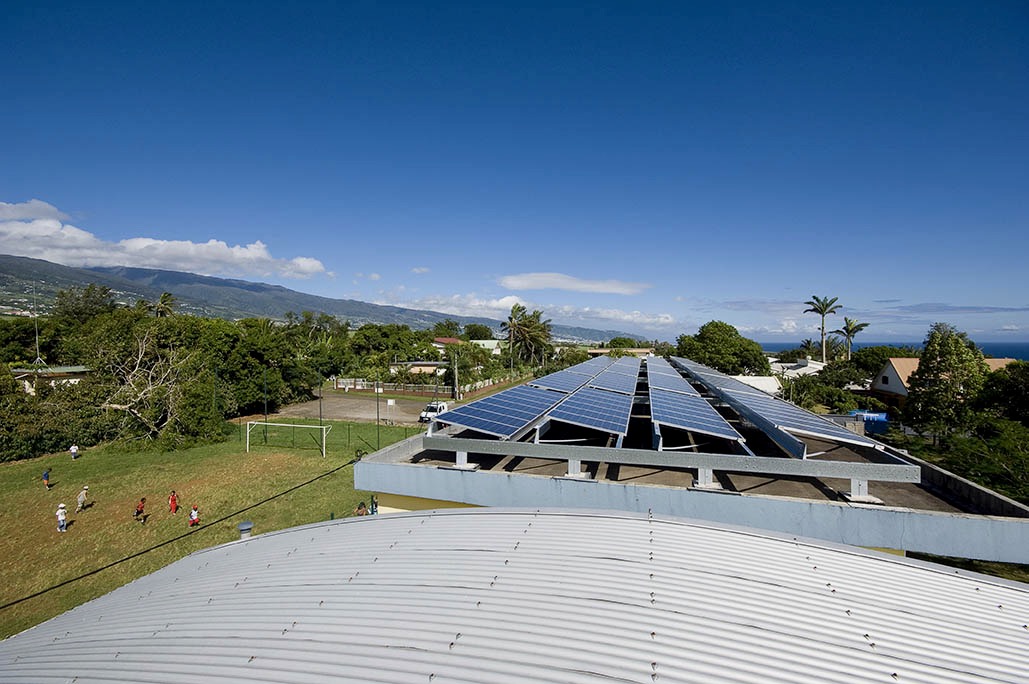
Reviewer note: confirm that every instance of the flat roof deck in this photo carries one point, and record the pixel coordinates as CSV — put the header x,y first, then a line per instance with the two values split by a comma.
x,y
899,494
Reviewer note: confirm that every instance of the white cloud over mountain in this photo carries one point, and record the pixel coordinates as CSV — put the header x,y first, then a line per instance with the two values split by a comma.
x,y
39,230
561,281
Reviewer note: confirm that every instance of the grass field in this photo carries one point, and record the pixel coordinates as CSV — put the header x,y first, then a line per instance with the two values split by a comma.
x,y
221,479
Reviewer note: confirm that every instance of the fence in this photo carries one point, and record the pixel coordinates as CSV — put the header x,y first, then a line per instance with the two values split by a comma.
x,y
442,391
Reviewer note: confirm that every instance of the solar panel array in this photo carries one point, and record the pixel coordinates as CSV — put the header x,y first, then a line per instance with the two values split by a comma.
x,y
714,379
567,380
663,376
615,381
792,418
784,415
505,413
689,412
596,408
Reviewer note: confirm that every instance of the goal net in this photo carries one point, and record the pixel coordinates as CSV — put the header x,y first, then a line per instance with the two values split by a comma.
x,y
287,435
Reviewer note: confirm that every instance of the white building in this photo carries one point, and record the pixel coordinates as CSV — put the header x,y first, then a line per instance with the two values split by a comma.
x,y
511,596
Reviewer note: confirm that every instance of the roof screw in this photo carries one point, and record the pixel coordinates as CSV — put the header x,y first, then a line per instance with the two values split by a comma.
x,y
251,659
895,675
653,635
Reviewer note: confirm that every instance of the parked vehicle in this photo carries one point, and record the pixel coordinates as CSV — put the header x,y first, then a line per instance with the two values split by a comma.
x,y
432,409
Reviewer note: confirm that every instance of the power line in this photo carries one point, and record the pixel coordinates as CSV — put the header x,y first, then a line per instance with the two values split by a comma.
x,y
175,539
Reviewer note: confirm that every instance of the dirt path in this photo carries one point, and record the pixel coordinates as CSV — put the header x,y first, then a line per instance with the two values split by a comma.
x,y
358,407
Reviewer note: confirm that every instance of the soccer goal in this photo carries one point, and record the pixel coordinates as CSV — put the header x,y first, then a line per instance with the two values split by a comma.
x,y
286,435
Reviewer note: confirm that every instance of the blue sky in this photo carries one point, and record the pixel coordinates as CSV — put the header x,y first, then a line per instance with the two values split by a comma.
x,y
644,167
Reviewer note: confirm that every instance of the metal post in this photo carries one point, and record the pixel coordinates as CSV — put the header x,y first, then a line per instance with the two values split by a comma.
x,y
378,439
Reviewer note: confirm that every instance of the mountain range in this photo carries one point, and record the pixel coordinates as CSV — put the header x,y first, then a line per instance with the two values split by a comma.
x,y
28,285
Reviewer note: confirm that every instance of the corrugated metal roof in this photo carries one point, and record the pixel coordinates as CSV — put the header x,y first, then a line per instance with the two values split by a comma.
x,y
495,595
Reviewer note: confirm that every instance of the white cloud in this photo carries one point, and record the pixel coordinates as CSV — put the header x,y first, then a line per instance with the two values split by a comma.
x,y
560,281
37,229
374,276
420,269
33,209
500,308
462,305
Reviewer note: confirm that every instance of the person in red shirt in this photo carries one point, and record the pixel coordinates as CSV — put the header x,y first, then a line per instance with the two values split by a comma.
x,y
173,503
139,514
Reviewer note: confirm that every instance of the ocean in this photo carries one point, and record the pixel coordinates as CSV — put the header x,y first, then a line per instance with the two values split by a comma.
x,y
998,350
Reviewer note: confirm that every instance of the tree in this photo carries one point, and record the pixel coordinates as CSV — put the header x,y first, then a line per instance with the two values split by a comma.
x,y
529,335
721,346
512,329
870,360
950,374
478,331
823,306
1006,392
808,347
624,343
165,306
79,305
849,330
446,328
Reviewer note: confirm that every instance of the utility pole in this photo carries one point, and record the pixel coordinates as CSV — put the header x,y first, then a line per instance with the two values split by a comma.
x,y
457,384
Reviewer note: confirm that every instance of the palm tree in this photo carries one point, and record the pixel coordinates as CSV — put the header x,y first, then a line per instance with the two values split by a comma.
x,y
165,306
823,306
514,327
809,347
849,330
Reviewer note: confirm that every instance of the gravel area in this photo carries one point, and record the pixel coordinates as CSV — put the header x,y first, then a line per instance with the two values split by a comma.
x,y
359,407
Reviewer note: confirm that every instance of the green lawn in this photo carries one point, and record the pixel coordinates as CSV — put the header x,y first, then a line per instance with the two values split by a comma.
x,y
221,479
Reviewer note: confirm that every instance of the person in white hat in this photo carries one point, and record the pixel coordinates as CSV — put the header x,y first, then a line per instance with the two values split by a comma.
x,y
82,499
62,518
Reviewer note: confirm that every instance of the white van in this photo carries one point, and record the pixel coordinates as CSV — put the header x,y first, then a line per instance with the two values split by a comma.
x,y
432,409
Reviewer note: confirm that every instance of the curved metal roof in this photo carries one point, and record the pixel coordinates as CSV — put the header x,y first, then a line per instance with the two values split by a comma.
x,y
495,595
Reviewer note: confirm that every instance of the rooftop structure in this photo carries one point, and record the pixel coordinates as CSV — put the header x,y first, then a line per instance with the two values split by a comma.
x,y
892,380
502,596
690,442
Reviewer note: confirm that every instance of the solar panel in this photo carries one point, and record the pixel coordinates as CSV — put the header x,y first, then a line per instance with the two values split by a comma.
x,y
614,381
566,380
689,412
658,364
505,413
597,363
627,364
672,383
792,418
714,380
595,408
782,414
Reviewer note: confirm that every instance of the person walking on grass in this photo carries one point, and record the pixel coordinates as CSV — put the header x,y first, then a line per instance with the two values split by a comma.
x,y
46,478
82,499
62,518
173,503
194,516
74,451
140,514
